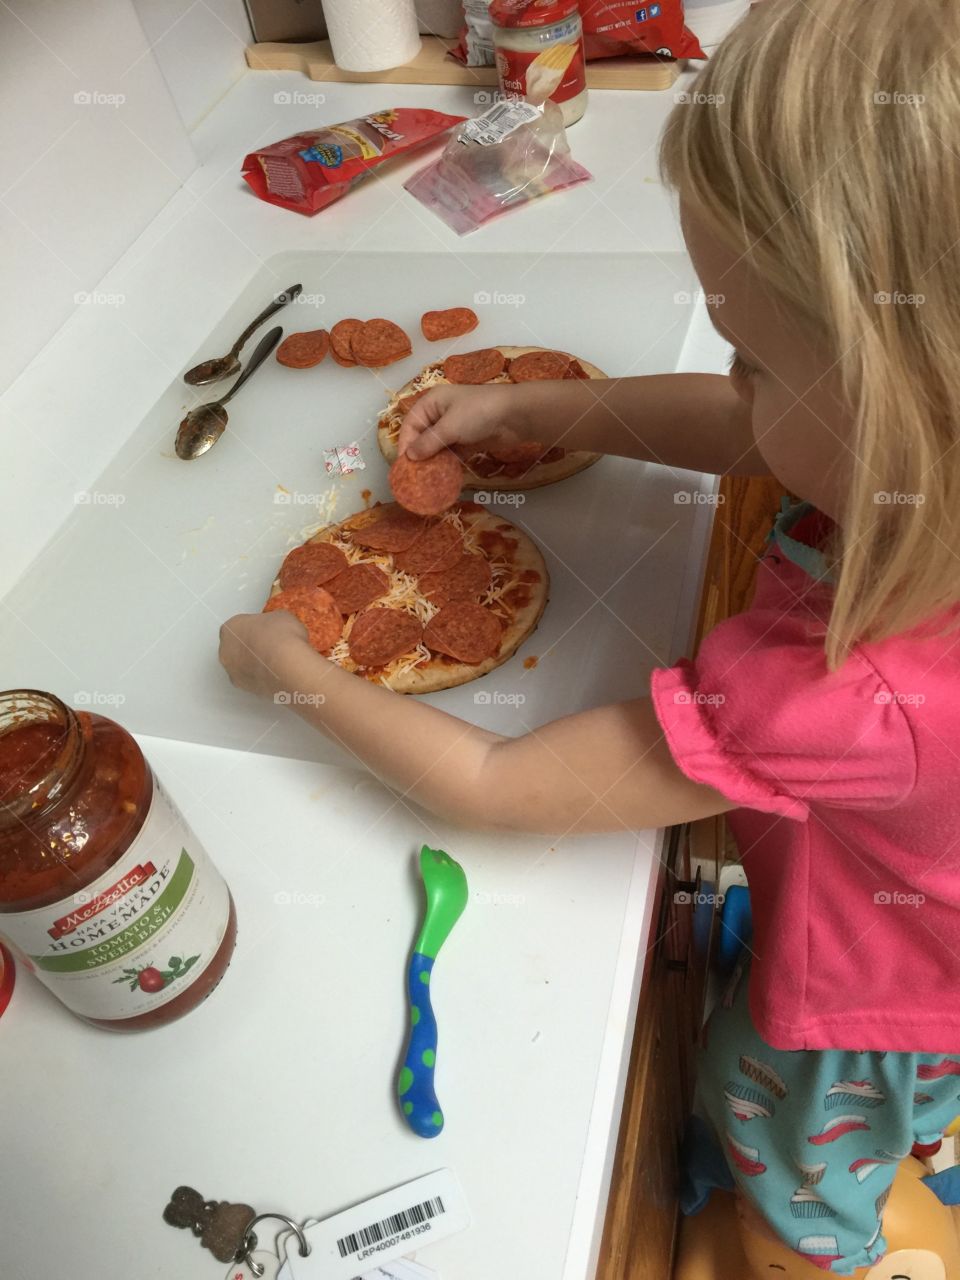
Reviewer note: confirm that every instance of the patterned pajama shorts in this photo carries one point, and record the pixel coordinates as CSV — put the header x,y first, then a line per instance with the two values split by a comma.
x,y
813,1138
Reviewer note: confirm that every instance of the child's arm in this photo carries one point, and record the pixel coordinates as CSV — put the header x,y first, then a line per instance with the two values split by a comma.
x,y
691,420
600,770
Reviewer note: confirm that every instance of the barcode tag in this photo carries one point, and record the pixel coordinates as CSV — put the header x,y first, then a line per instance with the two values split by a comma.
x,y
501,119
370,1235
404,1269
398,1269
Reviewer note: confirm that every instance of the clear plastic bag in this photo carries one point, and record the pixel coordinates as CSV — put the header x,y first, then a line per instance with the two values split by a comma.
x,y
500,160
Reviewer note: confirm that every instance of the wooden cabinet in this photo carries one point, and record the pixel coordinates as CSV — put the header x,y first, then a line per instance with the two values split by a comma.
x,y
641,1218
642,1210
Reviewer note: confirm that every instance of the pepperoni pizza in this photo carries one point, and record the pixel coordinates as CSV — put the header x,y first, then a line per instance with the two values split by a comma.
x,y
416,603
523,466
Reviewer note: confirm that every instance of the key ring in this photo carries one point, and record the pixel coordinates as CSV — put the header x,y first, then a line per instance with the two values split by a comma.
x,y
249,1241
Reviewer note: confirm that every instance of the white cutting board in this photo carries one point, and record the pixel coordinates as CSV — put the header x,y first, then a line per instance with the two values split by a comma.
x,y
121,610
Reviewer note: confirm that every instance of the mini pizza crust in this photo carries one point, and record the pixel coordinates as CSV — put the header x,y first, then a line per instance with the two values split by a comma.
x,y
541,474
445,673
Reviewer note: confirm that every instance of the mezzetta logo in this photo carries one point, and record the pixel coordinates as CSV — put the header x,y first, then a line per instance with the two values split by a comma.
x,y
88,906
129,897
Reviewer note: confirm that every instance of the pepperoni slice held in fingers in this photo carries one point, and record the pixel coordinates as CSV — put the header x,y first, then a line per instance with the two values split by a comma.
x,y
304,350
378,343
316,610
537,365
468,579
394,530
341,336
357,586
438,549
427,486
464,631
379,636
312,565
474,367
454,322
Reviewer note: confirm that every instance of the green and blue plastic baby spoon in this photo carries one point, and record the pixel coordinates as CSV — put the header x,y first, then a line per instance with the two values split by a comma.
x,y
445,886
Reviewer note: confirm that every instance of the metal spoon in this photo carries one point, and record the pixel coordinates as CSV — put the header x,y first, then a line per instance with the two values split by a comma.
x,y
222,366
202,427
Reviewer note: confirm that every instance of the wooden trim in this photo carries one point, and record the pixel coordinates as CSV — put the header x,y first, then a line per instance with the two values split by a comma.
x,y
432,65
639,1234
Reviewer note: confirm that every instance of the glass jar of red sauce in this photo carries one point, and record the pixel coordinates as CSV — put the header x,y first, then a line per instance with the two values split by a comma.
x,y
106,895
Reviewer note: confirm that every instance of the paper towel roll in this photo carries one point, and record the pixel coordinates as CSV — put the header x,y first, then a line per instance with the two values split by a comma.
x,y
372,35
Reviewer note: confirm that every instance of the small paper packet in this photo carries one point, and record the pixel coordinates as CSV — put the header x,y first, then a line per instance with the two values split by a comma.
x,y
343,460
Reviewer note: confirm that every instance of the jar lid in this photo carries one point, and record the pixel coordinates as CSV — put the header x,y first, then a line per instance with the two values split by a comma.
x,y
531,13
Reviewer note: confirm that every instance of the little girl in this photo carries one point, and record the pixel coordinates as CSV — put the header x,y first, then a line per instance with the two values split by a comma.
x,y
818,168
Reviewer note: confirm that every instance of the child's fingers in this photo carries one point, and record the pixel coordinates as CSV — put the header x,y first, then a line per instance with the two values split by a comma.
x,y
419,430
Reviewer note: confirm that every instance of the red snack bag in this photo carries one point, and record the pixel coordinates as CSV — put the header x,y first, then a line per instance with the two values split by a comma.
x,y
612,28
311,170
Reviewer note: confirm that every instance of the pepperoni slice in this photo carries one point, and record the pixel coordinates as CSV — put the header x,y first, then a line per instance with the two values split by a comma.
x,y
484,466
428,486
312,565
464,631
576,370
438,549
394,530
452,323
357,586
316,610
380,635
474,367
304,350
537,365
525,451
379,342
467,580
406,403
341,336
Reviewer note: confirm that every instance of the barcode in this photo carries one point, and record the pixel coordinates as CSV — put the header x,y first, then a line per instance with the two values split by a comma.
x,y
497,112
397,1222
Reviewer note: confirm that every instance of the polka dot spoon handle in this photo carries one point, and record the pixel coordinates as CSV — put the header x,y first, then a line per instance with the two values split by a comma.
x,y
445,886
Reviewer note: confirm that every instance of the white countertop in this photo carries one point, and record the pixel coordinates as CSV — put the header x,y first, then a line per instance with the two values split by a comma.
x,y
279,1089
66,416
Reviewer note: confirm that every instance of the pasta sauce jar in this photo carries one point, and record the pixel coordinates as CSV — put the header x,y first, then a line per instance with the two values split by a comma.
x,y
106,895
539,52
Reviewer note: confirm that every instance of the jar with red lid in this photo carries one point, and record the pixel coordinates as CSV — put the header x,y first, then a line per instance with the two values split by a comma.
x,y
539,52
106,895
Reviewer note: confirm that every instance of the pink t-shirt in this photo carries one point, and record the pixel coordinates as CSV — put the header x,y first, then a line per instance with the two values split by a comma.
x,y
849,821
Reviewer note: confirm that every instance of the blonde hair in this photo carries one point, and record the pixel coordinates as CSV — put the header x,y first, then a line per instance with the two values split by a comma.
x,y
824,137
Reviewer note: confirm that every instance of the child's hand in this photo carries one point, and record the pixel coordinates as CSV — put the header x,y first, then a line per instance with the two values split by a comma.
x,y
450,415
255,649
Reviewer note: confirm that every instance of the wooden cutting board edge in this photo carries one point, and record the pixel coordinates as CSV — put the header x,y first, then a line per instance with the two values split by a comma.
x,y
433,66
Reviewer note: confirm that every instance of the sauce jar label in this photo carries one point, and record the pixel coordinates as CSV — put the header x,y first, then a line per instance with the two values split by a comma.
x,y
556,71
139,936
